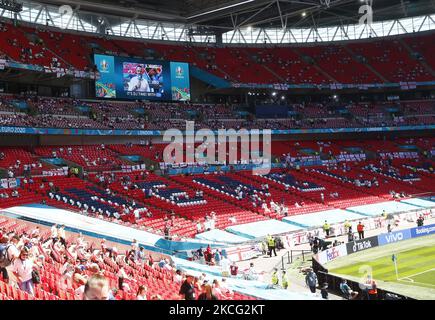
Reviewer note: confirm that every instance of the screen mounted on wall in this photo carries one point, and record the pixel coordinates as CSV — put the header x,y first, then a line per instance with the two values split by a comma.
x,y
128,78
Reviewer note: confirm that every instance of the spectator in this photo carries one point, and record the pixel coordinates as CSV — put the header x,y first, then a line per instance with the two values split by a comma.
x,y
234,269
22,269
207,293
217,257
54,234
122,276
141,293
187,291
97,288
251,274
8,254
61,235
220,293
178,278
225,265
347,291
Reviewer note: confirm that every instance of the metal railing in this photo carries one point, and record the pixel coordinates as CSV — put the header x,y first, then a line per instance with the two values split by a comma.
x,y
293,253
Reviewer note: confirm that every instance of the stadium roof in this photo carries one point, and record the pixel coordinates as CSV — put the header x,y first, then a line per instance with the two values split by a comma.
x,y
228,14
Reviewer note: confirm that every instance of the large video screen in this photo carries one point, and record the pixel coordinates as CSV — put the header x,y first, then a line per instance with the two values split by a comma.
x,y
128,78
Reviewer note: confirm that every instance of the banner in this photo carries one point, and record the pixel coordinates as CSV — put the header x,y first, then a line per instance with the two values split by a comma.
x,y
361,245
104,132
13,183
393,237
10,183
332,254
423,231
56,172
4,183
236,254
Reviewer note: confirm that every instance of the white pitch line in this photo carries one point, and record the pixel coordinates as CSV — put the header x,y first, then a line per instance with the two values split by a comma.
x,y
422,283
416,274
403,279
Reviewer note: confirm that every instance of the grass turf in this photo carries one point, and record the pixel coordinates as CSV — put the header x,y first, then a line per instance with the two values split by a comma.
x,y
415,264
415,267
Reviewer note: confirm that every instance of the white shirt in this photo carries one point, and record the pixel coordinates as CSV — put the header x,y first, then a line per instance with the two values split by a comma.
x,y
61,233
225,264
135,246
13,252
178,278
138,85
53,232
79,292
24,269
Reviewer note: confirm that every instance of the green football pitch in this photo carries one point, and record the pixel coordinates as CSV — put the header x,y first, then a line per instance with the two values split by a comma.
x,y
415,267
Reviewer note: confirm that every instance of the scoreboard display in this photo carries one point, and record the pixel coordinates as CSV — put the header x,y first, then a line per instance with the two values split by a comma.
x,y
135,79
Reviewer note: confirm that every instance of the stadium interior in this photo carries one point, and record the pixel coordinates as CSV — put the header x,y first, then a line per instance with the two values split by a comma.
x,y
90,90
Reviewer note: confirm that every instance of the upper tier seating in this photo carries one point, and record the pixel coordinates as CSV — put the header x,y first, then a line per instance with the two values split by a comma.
x,y
357,62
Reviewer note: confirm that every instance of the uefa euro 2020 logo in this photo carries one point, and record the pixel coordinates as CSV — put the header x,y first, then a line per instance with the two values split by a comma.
x,y
104,66
179,71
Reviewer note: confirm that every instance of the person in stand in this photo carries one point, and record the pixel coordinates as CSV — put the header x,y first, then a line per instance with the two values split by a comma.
x,y
234,269
187,290
360,229
207,293
141,293
9,253
97,288
348,293
61,235
22,269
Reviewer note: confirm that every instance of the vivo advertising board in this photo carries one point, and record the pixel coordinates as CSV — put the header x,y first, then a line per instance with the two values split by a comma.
x,y
392,237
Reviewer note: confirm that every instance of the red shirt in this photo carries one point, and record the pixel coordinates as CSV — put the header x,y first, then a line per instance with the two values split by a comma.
x,y
234,270
360,227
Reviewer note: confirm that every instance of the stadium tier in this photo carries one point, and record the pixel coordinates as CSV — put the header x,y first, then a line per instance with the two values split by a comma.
x,y
358,63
